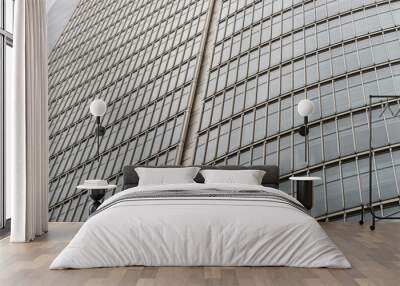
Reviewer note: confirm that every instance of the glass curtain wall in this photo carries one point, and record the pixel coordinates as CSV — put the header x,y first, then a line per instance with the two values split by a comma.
x,y
268,55
138,56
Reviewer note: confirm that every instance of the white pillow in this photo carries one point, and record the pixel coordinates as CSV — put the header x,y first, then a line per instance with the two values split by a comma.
x,y
248,177
166,176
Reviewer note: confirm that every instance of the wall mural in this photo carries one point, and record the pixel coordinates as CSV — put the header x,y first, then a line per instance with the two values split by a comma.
x,y
219,82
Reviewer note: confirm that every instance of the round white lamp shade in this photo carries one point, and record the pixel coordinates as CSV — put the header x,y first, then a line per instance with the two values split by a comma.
x,y
98,107
305,107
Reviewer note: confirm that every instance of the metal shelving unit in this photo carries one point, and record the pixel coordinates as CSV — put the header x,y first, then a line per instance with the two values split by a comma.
x,y
375,217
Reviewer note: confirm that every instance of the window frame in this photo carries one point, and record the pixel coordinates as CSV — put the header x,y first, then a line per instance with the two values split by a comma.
x,y
6,40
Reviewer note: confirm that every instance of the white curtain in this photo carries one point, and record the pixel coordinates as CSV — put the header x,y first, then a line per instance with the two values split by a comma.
x,y
26,124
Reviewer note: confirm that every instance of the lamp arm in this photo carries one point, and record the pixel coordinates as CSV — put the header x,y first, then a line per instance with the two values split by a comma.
x,y
306,139
98,137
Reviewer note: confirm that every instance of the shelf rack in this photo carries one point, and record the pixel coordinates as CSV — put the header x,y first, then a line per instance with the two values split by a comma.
x,y
375,217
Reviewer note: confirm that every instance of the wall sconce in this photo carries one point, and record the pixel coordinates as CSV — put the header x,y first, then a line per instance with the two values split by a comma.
x,y
305,108
98,108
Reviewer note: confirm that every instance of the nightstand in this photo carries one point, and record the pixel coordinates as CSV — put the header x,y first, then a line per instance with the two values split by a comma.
x,y
97,191
304,190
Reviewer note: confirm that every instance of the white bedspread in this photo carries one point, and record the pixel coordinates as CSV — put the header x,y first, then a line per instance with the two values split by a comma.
x,y
200,231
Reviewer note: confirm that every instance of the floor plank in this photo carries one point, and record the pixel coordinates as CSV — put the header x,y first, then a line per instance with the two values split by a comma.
x,y
375,257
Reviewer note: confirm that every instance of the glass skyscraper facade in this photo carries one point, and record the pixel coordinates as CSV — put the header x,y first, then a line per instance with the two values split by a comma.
x,y
138,56
218,82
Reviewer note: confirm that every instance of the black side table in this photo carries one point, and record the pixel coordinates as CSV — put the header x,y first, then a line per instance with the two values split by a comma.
x,y
304,190
97,194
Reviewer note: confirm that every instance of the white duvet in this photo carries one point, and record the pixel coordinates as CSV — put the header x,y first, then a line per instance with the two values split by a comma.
x,y
200,231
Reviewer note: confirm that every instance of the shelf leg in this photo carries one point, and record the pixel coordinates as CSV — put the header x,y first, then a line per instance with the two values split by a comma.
x,y
361,221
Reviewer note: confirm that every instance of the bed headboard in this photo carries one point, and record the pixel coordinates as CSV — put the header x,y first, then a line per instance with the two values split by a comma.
x,y
270,179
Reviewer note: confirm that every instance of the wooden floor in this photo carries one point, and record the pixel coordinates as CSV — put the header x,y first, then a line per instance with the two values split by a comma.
x,y
375,257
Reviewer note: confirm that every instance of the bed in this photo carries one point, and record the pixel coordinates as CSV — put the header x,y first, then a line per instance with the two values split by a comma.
x,y
201,224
